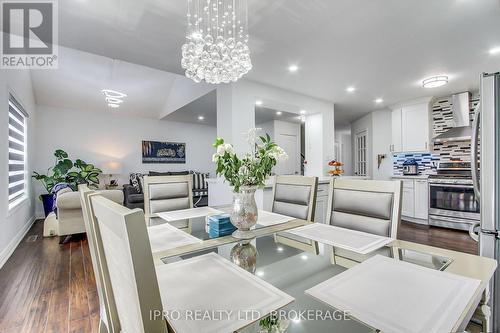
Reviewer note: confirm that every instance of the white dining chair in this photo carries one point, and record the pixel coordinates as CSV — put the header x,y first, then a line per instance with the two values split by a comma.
x,y
372,206
160,238
295,196
167,193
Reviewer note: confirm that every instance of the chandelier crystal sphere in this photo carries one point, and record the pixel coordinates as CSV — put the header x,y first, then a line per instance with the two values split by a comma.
x,y
216,48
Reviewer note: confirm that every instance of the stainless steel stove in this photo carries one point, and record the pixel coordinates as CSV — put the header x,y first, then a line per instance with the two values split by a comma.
x,y
452,201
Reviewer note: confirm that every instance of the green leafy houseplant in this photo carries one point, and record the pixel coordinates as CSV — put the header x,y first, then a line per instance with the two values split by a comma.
x,y
67,171
254,167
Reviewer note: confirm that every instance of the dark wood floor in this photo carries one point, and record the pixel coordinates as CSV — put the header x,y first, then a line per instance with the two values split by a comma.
x,y
47,287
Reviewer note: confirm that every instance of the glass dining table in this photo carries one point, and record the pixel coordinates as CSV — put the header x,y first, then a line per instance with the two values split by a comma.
x,y
293,271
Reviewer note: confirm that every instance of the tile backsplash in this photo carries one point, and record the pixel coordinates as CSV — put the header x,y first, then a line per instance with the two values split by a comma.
x,y
427,162
442,120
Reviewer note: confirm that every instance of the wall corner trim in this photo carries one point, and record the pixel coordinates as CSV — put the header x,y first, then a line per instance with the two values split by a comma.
x,y
9,249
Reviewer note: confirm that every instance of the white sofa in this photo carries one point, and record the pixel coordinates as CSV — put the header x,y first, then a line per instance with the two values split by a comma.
x,y
69,210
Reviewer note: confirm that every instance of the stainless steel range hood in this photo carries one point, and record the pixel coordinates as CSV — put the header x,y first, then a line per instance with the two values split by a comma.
x,y
461,130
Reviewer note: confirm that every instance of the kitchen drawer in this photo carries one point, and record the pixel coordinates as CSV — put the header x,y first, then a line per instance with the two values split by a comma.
x,y
408,183
322,190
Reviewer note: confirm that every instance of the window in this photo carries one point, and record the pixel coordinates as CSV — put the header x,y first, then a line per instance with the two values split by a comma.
x,y
361,165
17,152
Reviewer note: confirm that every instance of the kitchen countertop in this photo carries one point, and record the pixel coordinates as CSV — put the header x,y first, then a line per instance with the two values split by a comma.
x,y
410,177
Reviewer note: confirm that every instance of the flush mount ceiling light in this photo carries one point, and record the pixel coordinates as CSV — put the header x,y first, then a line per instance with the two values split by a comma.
x,y
495,50
216,48
351,89
435,81
259,102
113,98
293,68
379,100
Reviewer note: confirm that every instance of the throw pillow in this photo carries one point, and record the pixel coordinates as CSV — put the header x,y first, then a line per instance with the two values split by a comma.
x,y
136,181
200,181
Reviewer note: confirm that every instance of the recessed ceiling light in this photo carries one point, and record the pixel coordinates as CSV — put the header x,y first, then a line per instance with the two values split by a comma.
x,y
293,68
435,81
259,102
351,89
201,118
279,113
303,111
379,100
495,50
304,257
280,249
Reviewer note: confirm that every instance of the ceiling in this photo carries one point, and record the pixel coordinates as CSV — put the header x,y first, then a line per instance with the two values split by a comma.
x,y
382,47
205,106
263,115
81,76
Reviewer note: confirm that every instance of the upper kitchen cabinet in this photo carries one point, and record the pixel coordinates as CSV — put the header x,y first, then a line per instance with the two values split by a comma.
x,y
411,126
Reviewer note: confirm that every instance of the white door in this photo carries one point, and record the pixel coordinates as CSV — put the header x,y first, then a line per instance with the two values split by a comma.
x,y
396,131
361,153
421,199
290,144
415,121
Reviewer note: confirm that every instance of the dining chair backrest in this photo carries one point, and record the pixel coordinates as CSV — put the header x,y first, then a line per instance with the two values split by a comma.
x,y
372,206
166,193
130,265
295,196
107,306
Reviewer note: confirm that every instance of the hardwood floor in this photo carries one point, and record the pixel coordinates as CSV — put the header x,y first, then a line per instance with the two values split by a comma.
x,y
439,237
48,287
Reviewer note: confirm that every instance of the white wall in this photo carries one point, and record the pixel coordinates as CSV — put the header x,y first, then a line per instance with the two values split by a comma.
x,y
15,223
343,140
102,137
378,124
317,155
276,127
267,127
381,136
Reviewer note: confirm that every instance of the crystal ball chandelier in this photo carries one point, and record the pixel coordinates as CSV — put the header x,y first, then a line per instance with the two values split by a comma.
x,y
216,48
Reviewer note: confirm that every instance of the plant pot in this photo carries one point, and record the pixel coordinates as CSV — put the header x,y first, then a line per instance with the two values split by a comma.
x,y
244,213
48,203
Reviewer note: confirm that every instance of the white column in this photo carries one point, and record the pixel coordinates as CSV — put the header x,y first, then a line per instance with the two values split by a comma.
x,y
235,115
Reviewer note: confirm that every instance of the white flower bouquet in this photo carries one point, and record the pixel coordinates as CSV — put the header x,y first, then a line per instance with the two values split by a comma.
x,y
254,167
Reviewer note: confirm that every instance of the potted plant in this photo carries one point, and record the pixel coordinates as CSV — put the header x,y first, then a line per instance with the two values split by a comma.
x,y
55,175
245,174
63,172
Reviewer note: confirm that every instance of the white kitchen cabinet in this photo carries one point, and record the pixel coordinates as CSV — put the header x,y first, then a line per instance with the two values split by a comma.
x,y
415,200
415,124
408,208
321,204
421,199
411,128
397,131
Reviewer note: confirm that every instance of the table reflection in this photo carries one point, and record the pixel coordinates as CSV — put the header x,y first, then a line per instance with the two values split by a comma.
x,y
244,254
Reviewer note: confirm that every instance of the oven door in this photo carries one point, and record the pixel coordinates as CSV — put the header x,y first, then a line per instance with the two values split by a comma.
x,y
453,200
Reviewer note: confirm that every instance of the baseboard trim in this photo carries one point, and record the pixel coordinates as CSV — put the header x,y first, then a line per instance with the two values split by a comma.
x,y
7,252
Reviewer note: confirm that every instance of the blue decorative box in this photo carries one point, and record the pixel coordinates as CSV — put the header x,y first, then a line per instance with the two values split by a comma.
x,y
220,225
